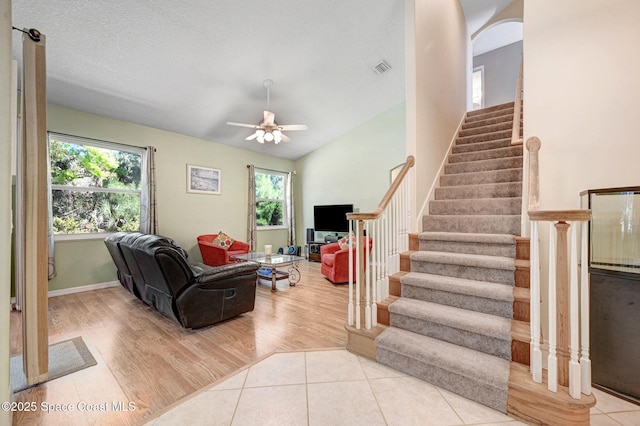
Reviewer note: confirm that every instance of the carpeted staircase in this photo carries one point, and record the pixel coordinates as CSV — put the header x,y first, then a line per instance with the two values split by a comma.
x,y
452,324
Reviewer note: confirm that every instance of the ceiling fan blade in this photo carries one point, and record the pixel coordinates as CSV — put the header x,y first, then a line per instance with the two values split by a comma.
x,y
269,117
284,137
251,137
252,126
293,127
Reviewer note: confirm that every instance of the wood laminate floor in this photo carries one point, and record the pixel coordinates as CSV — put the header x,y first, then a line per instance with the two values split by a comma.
x,y
148,362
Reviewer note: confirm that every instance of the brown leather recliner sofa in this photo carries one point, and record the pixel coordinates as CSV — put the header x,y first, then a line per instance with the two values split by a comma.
x,y
155,269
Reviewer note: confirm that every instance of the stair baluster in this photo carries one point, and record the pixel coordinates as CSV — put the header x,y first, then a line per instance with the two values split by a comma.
x,y
387,227
568,331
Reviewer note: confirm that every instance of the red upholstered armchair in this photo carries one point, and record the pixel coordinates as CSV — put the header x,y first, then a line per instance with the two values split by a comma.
x,y
217,254
335,261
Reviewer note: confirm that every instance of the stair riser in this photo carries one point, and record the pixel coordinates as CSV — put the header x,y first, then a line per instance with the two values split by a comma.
x,y
472,123
489,177
481,146
461,385
499,107
485,165
490,128
500,276
492,225
492,206
463,301
506,114
468,248
486,154
503,190
477,342
483,137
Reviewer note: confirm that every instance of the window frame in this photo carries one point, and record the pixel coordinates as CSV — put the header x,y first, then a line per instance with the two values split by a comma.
x,y
285,216
94,143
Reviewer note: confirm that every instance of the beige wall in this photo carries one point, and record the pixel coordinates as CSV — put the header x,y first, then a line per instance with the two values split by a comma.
x,y
181,215
581,95
437,47
580,99
5,201
353,169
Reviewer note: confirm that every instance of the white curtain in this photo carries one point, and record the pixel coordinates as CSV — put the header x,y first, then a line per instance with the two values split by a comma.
x,y
148,210
51,271
251,209
291,239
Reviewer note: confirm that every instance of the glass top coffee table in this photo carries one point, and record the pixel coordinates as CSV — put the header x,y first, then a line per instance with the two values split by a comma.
x,y
270,266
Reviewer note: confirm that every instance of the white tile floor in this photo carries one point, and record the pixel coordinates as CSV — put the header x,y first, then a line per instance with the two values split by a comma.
x,y
336,387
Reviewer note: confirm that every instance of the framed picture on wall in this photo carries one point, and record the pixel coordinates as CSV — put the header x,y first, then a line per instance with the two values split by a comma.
x,y
203,180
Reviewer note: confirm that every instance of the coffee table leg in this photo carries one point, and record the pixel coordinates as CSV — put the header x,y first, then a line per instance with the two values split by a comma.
x,y
273,279
294,274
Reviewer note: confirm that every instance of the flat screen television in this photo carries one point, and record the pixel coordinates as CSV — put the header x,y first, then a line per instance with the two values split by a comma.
x,y
332,218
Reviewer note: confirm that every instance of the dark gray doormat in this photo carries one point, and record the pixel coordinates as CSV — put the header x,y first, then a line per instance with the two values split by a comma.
x,y
64,357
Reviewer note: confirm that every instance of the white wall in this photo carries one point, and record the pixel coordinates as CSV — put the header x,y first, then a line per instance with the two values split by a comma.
x,y
581,95
437,47
5,201
501,68
353,169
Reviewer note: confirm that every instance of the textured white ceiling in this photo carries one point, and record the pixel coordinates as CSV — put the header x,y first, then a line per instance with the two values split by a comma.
x,y
189,66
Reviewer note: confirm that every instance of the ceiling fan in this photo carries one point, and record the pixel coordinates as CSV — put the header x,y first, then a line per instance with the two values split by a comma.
x,y
268,130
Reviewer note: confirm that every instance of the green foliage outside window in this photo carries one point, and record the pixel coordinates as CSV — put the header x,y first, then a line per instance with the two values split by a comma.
x,y
270,195
94,189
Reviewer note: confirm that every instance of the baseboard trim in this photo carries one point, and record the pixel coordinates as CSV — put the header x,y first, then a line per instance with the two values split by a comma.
x,y
83,288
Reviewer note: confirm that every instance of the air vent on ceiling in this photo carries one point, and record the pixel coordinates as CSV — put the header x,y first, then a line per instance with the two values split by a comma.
x,y
382,67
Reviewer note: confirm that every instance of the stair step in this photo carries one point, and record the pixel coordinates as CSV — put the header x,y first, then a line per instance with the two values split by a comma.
x,y
395,287
474,375
494,269
486,244
484,165
502,134
484,206
486,177
479,296
510,151
472,122
495,127
481,146
383,310
493,108
481,332
507,114
482,224
488,190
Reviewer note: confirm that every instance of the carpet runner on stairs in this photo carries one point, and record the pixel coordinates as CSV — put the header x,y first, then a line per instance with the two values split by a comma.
x,y
451,326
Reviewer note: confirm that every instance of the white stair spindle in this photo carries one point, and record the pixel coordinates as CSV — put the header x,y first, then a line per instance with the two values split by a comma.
x,y
368,314
552,363
536,353
358,277
574,330
585,361
350,306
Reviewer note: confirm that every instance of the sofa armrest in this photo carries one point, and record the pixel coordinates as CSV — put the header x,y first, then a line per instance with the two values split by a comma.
x,y
212,254
240,246
329,248
210,277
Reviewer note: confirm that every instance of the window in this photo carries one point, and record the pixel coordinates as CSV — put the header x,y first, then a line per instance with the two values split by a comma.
x,y
271,205
95,185
478,87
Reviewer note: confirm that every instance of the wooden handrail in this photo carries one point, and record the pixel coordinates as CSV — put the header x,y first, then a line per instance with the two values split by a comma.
x,y
387,197
560,215
517,110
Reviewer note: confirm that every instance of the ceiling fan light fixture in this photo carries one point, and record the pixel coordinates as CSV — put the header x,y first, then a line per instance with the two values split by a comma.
x,y
268,136
260,136
277,136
